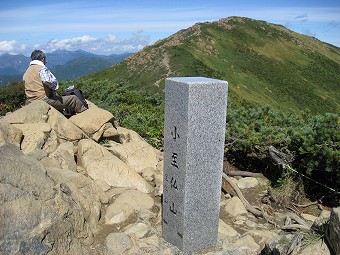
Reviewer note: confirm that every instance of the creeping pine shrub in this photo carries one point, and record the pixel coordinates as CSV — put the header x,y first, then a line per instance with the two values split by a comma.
x,y
311,142
12,96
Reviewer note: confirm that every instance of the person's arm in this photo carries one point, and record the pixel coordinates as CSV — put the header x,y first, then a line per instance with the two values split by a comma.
x,y
48,79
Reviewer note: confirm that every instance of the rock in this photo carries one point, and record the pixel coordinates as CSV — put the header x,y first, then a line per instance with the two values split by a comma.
x,y
225,231
114,192
40,217
235,207
118,213
126,204
137,230
333,231
106,131
82,191
247,182
308,217
138,200
64,155
146,215
98,134
158,179
245,245
35,112
38,154
127,135
41,112
42,156
136,154
149,241
316,249
64,128
99,163
9,133
262,236
92,120
52,143
35,135
148,173
288,244
117,243
102,185
251,224
325,215
50,163
110,130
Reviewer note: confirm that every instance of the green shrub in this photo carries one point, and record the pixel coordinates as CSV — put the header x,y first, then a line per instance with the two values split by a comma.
x,y
310,142
12,96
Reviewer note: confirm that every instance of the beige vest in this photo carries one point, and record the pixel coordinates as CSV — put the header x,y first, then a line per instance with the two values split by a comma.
x,y
34,88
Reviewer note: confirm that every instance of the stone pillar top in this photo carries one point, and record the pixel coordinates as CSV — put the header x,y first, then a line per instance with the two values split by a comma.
x,y
198,80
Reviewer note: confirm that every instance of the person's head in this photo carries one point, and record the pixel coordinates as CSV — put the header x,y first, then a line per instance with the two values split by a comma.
x,y
38,55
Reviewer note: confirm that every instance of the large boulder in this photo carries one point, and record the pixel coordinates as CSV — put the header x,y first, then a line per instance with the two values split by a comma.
x,y
64,128
333,231
84,195
39,114
93,120
126,204
99,163
39,215
128,135
64,155
234,207
137,154
9,133
35,135
35,112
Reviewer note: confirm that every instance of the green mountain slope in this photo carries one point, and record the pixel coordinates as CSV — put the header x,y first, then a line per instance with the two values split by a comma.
x,y
79,66
84,65
264,63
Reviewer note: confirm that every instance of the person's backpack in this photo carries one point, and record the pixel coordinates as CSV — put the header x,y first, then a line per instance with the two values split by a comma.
x,y
73,91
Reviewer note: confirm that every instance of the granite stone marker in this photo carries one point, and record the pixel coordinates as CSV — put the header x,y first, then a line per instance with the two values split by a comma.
x,y
194,134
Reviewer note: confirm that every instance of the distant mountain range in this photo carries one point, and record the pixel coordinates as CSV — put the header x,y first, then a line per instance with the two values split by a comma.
x,y
64,64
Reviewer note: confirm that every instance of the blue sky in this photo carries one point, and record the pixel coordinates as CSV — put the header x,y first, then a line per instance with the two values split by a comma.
x,y
111,26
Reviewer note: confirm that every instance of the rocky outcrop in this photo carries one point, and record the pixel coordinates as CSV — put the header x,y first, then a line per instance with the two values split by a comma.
x,y
100,164
44,211
62,192
9,134
333,231
53,176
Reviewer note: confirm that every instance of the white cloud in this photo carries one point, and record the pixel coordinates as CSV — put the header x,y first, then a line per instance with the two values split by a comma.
x,y
107,45
69,44
7,46
12,47
111,38
136,42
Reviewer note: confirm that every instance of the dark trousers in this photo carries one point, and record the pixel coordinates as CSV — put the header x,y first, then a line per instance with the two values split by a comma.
x,y
62,102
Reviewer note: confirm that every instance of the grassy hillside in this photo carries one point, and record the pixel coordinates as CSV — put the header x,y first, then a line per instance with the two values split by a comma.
x,y
263,63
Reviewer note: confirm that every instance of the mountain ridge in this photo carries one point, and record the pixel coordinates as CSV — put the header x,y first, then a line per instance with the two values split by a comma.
x,y
264,63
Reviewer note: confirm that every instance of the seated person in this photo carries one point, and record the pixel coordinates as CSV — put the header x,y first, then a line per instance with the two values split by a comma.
x,y
40,83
